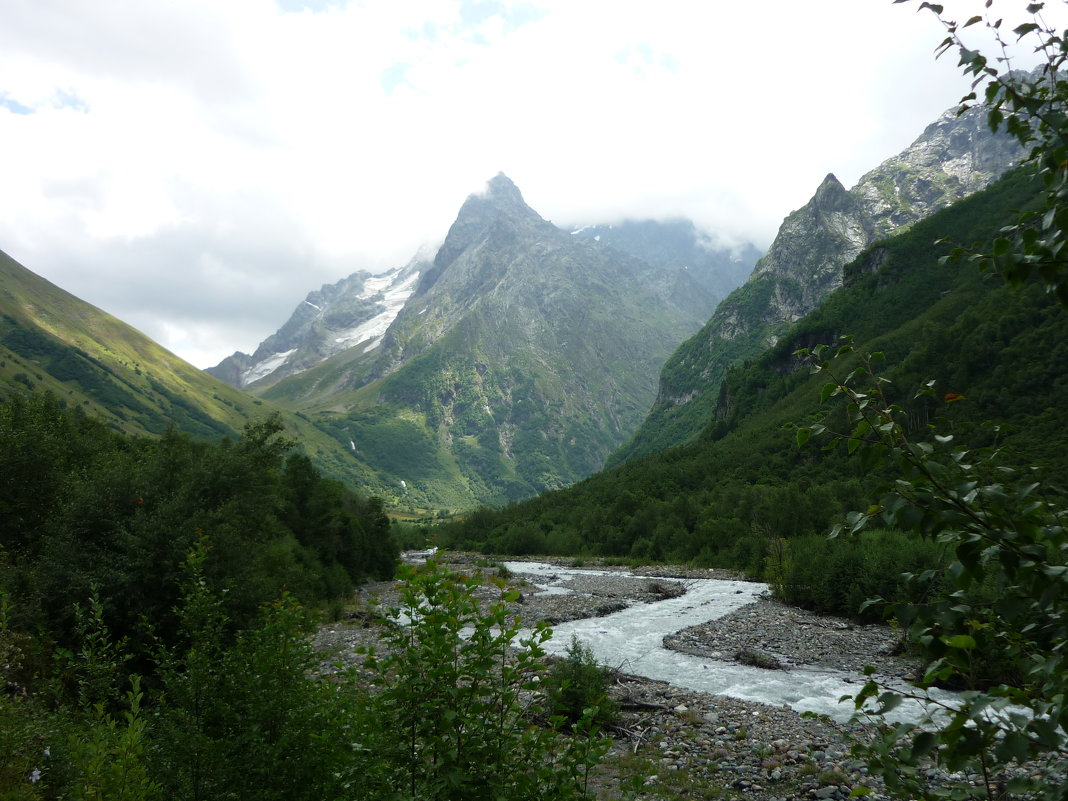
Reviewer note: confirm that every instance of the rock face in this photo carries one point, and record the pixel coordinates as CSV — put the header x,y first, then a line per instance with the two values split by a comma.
x,y
354,312
952,158
523,356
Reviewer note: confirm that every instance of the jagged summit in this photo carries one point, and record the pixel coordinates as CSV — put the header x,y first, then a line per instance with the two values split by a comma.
x,y
499,204
499,197
502,190
830,184
954,156
355,311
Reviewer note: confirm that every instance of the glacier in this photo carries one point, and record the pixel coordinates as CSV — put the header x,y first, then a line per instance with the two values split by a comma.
x,y
393,299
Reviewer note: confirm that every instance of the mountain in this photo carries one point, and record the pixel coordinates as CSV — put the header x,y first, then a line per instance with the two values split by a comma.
x,y
52,341
714,266
523,356
1000,354
354,312
952,158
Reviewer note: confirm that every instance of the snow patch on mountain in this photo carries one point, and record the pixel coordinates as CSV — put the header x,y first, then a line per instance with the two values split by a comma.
x,y
387,294
265,367
393,300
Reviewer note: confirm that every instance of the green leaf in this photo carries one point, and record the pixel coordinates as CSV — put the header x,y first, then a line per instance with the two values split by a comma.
x,y
961,641
1014,746
924,743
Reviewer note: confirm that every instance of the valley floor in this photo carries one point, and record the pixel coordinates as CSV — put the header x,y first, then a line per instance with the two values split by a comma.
x,y
682,744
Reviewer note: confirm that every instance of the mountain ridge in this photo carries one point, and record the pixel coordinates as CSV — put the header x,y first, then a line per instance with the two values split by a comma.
x,y
954,156
728,498
52,341
524,355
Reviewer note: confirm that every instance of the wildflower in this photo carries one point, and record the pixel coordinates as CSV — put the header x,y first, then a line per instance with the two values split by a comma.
x,y
35,776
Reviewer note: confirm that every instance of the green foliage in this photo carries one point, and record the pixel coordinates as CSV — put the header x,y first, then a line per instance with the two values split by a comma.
x,y
96,669
108,757
1007,591
26,728
85,511
247,719
578,684
460,714
840,576
454,711
1032,108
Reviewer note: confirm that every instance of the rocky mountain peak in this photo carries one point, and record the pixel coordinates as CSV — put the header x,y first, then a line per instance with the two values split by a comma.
x,y
500,197
502,191
500,202
956,155
830,191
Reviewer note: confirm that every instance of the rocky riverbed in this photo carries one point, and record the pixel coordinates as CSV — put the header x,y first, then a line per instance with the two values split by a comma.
x,y
784,637
678,743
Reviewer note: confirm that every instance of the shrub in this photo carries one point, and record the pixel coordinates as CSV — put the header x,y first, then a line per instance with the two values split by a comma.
x,y
578,686
459,712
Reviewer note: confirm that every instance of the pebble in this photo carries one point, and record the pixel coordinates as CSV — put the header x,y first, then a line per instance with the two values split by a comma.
x,y
768,753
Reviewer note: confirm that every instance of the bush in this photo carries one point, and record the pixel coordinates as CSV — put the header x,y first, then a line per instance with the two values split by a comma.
x,y
578,686
837,576
460,714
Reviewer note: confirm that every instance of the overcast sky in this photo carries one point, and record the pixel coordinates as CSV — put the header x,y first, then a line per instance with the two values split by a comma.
x,y
196,167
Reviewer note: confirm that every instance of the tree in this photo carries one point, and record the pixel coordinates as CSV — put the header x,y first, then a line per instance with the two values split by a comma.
x,y
1033,108
999,628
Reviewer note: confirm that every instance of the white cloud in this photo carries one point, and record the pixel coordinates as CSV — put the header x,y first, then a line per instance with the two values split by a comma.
x,y
240,154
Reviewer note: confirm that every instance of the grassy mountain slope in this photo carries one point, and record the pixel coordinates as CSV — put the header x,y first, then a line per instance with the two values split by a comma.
x,y
745,482
52,341
955,156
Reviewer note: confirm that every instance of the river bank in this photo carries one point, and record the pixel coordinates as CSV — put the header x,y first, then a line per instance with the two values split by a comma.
x,y
684,743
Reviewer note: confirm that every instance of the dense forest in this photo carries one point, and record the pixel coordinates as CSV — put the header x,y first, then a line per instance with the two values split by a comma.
x,y
157,598
85,509
121,556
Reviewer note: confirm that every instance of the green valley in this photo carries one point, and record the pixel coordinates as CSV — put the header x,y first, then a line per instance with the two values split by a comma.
x,y
745,483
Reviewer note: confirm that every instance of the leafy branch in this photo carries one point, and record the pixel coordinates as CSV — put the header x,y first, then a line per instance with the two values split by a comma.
x,y
1033,109
999,624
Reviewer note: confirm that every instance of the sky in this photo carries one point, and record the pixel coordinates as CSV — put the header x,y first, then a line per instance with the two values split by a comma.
x,y
196,167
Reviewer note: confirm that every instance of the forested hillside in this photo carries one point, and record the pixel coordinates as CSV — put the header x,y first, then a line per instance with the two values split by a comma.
x,y
51,341
87,511
723,500
955,156
156,601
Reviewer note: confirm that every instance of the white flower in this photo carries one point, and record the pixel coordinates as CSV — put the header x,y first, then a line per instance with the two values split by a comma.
x,y
35,776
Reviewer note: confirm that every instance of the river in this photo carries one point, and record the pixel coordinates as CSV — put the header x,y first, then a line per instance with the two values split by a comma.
x,y
631,640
